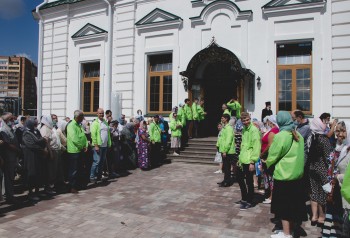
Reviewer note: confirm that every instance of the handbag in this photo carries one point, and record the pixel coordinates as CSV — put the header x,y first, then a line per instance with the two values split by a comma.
x,y
218,158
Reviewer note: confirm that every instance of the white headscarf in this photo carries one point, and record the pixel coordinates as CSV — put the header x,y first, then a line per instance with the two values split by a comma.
x,y
317,126
62,125
47,121
272,119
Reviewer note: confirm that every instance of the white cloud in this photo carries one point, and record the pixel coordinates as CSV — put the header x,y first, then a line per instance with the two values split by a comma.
x,y
10,9
24,55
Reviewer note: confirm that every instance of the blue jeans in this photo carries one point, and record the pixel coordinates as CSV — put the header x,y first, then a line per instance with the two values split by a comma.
x,y
99,161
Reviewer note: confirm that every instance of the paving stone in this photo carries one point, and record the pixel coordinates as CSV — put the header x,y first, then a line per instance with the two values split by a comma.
x,y
175,200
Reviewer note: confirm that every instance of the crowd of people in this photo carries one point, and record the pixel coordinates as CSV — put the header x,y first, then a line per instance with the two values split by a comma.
x,y
52,156
297,159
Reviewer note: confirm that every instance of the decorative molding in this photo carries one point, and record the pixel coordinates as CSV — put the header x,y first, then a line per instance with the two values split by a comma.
x,y
289,7
89,31
200,3
217,5
158,19
213,53
58,3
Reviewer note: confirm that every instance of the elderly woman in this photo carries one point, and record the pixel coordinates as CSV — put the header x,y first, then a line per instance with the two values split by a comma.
x,y
319,150
286,154
143,147
34,149
54,148
266,142
339,159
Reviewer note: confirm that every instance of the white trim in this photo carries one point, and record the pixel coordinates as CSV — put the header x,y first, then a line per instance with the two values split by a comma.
x,y
294,9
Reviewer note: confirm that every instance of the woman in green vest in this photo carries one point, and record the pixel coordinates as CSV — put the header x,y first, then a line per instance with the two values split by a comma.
x,y
175,127
286,154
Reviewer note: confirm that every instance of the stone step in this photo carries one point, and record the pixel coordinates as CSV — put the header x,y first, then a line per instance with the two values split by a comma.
x,y
208,139
191,156
179,159
201,148
199,153
199,143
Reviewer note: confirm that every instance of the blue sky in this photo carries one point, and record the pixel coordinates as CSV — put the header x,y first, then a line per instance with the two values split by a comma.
x,y
19,30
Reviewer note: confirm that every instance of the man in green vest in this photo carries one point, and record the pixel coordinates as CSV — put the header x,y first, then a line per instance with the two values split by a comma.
x,y
195,117
249,155
189,117
101,141
235,107
155,134
182,117
227,149
201,117
76,147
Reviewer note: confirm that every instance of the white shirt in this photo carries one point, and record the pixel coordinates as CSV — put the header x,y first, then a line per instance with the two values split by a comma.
x,y
104,133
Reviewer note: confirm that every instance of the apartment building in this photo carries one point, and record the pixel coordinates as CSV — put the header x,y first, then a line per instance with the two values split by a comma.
x,y
17,85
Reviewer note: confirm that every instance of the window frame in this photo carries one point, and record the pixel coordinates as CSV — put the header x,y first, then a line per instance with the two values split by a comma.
x,y
161,74
91,80
294,68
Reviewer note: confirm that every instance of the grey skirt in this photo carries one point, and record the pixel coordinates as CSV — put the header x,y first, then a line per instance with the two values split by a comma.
x,y
175,142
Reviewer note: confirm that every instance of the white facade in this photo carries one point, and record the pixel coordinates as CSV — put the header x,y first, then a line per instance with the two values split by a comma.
x,y
250,29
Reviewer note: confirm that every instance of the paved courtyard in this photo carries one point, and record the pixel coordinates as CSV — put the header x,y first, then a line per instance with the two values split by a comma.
x,y
175,200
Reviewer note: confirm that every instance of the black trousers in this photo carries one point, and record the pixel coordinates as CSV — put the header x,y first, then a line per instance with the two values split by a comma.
x,y
195,128
226,166
184,136
245,181
155,153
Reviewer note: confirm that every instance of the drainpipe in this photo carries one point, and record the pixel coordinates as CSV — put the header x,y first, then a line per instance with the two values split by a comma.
x,y
107,82
40,61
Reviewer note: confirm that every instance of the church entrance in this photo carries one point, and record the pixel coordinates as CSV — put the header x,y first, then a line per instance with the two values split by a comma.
x,y
219,87
215,75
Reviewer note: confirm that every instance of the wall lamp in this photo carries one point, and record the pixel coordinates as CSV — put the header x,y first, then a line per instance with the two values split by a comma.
x,y
258,83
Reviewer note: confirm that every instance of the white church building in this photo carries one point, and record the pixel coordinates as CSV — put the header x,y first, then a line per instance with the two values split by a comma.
x,y
126,55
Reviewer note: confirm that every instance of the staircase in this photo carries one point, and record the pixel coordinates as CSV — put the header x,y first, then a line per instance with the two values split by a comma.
x,y
199,151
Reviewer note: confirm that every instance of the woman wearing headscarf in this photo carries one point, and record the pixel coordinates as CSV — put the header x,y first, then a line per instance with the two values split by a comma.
x,y
335,207
319,149
34,149
266,142
54,175
128,145
342,166
286,154
143,147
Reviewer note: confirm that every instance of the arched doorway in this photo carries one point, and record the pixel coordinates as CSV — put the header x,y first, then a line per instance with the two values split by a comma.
x,y
214,74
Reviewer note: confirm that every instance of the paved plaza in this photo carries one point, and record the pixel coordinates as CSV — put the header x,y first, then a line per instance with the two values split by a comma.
x,y
175,200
